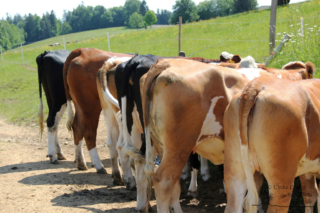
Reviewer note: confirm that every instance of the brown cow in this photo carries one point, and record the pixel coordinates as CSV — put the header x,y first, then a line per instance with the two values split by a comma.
x,y
272,127
80,72
183,107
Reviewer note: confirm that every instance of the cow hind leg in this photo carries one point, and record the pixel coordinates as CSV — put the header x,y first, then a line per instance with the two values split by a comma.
x,y
309,191
59,152
192,191
166,180
54,149
112,138
78,143
90,138
204,169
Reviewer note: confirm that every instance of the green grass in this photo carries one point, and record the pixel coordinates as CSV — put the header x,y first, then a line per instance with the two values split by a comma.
x,y
243,34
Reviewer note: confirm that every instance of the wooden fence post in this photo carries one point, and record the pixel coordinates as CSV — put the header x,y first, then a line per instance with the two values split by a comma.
x,y
272,34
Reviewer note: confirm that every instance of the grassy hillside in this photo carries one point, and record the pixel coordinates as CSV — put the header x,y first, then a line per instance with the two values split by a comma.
x,y
243,34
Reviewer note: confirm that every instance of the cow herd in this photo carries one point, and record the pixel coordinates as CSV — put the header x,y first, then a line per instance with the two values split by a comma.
x,y
251,120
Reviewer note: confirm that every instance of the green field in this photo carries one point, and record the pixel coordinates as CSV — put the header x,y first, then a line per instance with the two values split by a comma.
x,y
243,34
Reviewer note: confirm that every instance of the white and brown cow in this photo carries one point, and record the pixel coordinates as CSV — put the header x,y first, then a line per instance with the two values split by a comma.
x,y
272,127
183,106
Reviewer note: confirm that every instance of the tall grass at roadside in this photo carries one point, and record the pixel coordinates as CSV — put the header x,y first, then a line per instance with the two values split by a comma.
x,y
243,34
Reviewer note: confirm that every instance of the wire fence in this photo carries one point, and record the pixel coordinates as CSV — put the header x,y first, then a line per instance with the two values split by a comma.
x,y
216,41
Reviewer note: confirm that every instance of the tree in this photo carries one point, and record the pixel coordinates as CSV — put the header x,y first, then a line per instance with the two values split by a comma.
x,y
224,7
150,18
136,20
143,8
66,28
163,16
240,6
106,19
185,8
283,2
207,9
130,7
118,16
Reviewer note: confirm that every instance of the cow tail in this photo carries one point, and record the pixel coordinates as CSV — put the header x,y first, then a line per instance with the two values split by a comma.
x,y
146,87
40,110
103,81
246,106
70,113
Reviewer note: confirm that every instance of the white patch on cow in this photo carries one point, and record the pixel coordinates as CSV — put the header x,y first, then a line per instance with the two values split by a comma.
x,y
124,120
279,76
215,63
210,126
95,158
250,73
204,169
53,143
293,62
248,62
193,183
59,114
79,152
106,94
226,55
308,166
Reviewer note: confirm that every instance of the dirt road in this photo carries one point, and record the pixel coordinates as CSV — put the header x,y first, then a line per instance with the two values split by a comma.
x,y
29,183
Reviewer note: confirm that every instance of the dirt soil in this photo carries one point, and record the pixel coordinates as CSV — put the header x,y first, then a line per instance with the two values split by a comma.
x,y
29,183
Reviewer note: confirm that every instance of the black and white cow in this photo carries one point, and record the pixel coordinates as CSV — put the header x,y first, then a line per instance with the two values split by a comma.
x,y
50,70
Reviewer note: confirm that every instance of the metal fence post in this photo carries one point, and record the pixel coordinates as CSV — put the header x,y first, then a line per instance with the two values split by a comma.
x,y
108,41
278,49
21,51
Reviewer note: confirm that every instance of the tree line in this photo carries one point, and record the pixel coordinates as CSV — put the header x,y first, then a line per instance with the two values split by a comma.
x,y
134,14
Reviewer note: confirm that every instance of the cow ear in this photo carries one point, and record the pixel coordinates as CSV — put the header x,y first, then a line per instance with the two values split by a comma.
x,y
311,69
236,59
222,59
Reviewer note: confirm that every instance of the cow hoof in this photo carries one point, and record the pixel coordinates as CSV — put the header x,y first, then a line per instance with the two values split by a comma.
x,y
60,156
205,177
130,184
117,182
192,194
140,210
130,187
55,162
102,171
82,166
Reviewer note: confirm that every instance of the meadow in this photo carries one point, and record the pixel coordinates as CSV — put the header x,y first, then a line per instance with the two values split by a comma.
x,y
243,34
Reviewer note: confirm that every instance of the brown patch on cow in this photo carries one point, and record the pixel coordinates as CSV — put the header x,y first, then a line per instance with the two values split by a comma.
x,y
236,59
294,66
